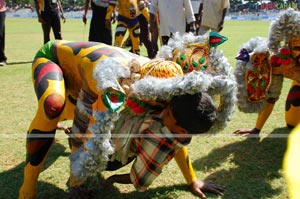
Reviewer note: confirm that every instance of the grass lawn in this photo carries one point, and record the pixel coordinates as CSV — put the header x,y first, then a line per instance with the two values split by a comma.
x,y
249,168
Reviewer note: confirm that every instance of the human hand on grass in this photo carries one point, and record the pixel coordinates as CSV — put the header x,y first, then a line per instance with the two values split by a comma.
x,y
247,132
198,187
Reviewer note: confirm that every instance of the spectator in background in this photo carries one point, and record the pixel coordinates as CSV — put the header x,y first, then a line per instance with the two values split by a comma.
x,y
173,16
155,34
144,21
2,32
212,15
48,16
195,6
144,29
98,31
128,18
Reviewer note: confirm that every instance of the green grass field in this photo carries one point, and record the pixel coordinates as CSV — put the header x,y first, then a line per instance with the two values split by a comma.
x,y
249,168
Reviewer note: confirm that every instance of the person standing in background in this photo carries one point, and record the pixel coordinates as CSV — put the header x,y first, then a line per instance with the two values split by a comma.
x,y
144,30
2,32
195,6
298,5
98,30
48,16
173,16
144,35
128,12
212,14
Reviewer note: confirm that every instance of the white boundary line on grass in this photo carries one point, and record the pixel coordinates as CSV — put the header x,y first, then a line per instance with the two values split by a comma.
x,y
62,135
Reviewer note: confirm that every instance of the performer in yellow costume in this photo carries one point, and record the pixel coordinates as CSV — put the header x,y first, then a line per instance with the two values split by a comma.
x,y
262,66
291,163
88,82
128,12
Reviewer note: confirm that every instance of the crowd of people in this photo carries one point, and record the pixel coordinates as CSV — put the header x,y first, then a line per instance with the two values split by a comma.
x,y
251,6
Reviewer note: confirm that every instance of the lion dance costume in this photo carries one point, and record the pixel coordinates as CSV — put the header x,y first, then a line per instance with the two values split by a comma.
x,y
263,64
93,84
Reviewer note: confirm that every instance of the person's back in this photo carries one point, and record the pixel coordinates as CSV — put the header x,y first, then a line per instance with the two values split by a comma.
x,y
173,16
213,14
163,133
48,16
98,31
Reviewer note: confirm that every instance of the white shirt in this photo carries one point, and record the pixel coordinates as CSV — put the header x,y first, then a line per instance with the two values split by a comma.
x,y
213,12
195,6
173,14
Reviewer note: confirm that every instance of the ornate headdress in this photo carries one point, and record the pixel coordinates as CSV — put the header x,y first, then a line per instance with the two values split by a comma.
x,y
283,29
151,88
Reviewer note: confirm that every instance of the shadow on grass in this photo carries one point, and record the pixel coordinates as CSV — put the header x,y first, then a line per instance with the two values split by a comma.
x,y
257,164
11,180
163,192
16,63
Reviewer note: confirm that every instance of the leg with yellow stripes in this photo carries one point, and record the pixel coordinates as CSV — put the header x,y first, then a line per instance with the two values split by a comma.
x,y
120,32
134,34
292,105
50,91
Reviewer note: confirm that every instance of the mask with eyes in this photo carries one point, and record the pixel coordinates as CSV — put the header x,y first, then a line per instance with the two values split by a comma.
x,y
258,78
294,45
193,58
196,55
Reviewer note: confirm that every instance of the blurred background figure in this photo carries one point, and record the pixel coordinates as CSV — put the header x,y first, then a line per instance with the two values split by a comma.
x,y
212,14
195,6
48,15
144,18
2,32
127,19
173,16
291,163
98,31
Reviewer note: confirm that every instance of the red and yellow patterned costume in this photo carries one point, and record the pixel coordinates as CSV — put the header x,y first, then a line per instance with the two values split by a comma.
x,y
62,73
128,12
264,77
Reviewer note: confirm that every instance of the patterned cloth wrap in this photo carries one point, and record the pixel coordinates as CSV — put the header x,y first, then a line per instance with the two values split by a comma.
x,y
151,84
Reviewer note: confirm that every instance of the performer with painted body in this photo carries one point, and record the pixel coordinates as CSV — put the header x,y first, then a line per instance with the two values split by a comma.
x,y
261,67
128,12
88,82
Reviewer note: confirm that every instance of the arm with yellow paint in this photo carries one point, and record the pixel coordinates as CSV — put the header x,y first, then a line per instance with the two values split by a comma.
x,y
196,186
260,121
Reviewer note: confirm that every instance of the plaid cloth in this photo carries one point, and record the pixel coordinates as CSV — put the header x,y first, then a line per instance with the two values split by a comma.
x,y
154,149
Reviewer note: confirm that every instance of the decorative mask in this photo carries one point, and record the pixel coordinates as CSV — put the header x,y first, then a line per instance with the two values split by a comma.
x,y
259,78
193,58
196,55
294,45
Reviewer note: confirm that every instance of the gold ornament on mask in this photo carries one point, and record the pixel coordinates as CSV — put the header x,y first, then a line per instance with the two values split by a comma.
x,y
194,57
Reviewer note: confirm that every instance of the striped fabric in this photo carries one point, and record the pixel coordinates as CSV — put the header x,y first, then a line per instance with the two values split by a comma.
x,y
153,150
